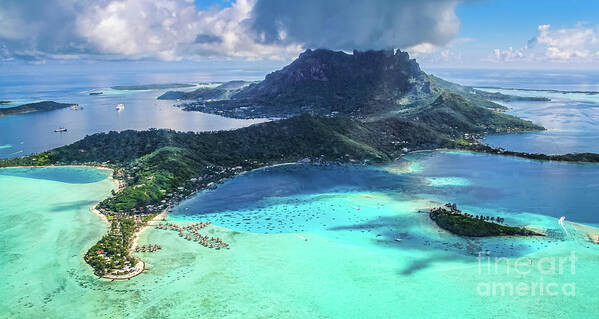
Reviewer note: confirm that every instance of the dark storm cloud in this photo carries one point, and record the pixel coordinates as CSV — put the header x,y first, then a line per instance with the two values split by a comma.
x,y
207,38
354,24
37,27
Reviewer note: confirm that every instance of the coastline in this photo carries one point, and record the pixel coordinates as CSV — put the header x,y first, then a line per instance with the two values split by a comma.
x,y
150,223
103,217
140,266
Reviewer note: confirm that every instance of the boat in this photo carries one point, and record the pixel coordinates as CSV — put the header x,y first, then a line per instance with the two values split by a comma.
x,y
120,107
397,239
300,237
62,129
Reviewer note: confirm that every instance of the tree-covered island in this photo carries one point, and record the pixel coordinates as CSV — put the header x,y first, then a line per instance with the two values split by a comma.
x,y
461,223
44,106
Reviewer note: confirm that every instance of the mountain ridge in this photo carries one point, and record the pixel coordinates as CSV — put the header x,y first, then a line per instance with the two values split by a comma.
x,y
364,84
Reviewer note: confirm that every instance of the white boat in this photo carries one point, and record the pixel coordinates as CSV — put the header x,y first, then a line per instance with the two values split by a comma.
x,y
120,107
62,129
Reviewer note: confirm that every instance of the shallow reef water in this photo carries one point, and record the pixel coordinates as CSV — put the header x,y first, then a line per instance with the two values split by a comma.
x,y
314,241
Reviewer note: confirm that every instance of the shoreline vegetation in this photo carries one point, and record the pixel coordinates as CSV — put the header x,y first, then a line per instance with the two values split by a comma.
x,y
453,220
44,106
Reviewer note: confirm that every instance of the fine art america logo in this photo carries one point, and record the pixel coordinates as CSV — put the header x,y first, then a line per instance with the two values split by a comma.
x,y
539,277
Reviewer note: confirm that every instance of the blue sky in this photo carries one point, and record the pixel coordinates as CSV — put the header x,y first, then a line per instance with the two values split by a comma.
x,y
439,33
504,23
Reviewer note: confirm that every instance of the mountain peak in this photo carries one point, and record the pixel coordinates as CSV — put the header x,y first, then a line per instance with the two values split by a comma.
x,y
329,81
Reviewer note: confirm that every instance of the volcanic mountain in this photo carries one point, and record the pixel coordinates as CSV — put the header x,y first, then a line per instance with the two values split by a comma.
x,y
370,84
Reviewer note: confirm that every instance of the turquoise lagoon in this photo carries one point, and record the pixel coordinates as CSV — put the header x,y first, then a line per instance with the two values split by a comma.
x,y
350,266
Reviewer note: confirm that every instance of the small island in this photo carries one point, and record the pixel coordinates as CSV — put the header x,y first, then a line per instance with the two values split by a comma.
x,y
5,102
43,106
461,223
96,93
152,86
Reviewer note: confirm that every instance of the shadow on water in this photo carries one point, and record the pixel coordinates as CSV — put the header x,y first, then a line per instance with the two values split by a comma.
x,y
252,190
70,206
417,232
421,264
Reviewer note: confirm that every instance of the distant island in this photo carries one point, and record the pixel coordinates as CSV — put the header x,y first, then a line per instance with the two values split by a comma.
x,y
5,102
460,223
34,107
541,90
332,107
221,92
152,86
96,93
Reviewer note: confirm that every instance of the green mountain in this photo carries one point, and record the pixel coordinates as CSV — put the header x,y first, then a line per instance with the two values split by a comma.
x,y
368,85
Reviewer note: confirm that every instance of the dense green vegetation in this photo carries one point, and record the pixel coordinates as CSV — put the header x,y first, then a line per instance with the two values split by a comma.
x,y
480,97
464,224
111,254
453,114
570,157
33,107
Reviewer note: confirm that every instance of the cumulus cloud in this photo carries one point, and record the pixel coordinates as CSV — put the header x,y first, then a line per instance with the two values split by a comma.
x,y
251,29
173,30
579,44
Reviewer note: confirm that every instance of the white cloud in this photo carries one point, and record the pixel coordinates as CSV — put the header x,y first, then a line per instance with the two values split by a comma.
x,y
173,30
249,29
576,45
422,48
437,55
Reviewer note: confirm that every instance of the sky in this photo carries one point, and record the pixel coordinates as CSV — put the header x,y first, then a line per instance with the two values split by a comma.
x,y
548,34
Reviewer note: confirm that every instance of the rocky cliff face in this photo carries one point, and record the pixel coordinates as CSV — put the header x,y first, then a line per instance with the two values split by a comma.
x,y
337,81
370,86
